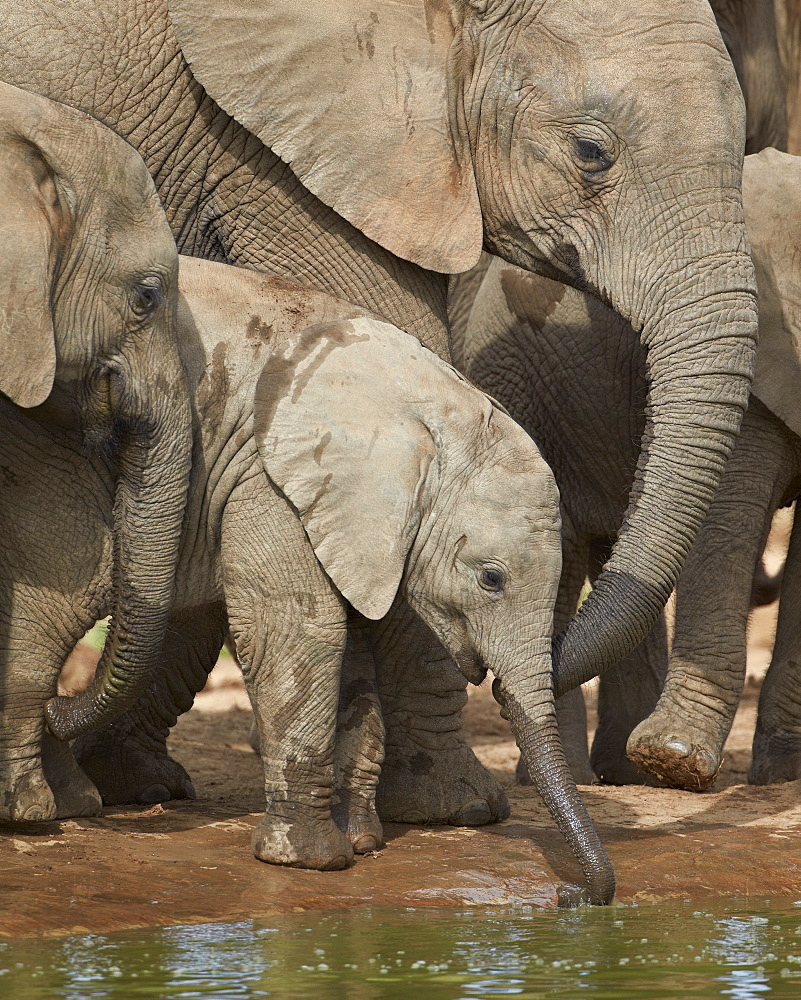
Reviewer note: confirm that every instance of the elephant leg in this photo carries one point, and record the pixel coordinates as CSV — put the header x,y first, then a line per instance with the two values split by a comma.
x,y
627,694
39,779
128,760
359,742
776,752
292,674
429,774
681,742
289,627
74,792
571,711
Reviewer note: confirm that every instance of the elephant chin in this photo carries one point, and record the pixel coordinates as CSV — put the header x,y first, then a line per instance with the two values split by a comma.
x,y
149,506
472,668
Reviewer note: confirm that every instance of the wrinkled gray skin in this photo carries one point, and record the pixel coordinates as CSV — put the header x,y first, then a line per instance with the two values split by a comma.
x,y
601,145
749,30
527,343
314,498
88,289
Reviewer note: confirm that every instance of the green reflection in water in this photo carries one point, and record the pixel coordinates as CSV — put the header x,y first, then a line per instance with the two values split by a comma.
x,y
742,950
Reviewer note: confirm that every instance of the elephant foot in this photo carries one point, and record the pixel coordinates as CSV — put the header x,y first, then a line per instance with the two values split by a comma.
x,y
128,773
29,799
315,844
690,761
73,792
359,821
439,787
776,757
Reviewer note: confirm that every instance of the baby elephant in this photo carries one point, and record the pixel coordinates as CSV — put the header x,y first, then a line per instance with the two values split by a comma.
x,y
338,464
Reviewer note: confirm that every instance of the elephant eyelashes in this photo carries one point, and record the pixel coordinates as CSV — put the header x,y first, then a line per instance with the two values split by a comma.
x,y
146,299
592,156
492,580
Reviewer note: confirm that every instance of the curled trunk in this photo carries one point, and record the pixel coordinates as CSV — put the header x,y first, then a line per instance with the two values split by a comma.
x,y
148,513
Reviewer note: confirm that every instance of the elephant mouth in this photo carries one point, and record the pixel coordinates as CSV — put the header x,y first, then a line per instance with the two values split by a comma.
x,y
472,668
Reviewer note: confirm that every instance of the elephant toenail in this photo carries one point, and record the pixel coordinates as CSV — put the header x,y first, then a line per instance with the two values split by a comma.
x,y
33,814
707,764
154,793
366,844
679,747
189,790
475,813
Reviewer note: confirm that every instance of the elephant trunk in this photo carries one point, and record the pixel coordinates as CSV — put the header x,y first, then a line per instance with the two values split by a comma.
x,y
533,720
153,474
701,350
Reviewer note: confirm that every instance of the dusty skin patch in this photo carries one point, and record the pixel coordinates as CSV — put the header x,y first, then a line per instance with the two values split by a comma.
x,y
191,862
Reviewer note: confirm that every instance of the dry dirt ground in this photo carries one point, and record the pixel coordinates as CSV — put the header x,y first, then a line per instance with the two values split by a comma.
x,y
191,861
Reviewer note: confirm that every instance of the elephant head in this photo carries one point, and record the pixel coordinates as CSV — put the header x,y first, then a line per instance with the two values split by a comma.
x,y
88,292
405,475
600,144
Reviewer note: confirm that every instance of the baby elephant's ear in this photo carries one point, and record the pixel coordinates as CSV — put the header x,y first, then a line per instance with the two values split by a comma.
x,y
28,222
338,436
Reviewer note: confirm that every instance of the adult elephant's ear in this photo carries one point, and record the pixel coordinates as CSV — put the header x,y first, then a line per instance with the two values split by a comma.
x,y
337,436
355,98
772,202
29,220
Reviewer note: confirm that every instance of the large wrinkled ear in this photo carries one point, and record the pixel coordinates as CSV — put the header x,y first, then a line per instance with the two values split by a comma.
x,y
337,434
28,224
355,98
772,201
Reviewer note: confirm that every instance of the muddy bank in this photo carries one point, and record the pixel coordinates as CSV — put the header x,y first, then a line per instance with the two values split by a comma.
x,y
190,861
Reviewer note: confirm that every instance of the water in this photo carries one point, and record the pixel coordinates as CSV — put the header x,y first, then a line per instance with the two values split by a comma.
x,y
740,949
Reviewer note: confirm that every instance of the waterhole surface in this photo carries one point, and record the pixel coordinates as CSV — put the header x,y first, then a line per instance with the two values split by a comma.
x,y
744,949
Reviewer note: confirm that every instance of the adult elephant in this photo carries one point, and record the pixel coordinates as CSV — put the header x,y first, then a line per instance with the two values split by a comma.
x,y
368,149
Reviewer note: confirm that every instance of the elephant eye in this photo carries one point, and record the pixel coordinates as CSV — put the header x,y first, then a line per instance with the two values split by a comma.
x,y
591,155
146,298
491,579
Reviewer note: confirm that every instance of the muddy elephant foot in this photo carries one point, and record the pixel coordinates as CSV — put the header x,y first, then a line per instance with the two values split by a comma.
x,y
28,799
73,792
776,757
128,773
314,843
691,761
439,787
359,821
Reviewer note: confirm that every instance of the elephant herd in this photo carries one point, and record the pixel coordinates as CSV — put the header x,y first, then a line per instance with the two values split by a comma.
x,y
264,437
